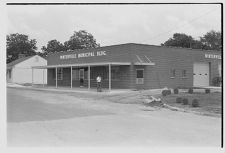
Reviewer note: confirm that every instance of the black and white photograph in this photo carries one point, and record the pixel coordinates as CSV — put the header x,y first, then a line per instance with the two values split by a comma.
x,y
114,75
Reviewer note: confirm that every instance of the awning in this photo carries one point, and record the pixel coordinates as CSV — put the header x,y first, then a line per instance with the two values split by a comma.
x,y
143,60
91,64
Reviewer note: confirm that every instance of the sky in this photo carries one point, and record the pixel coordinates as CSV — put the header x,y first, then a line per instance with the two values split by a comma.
x,y
113,24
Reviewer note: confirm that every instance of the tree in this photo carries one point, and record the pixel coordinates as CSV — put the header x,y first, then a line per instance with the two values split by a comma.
x,y
181,40
80,40
52,46
211,40
19,44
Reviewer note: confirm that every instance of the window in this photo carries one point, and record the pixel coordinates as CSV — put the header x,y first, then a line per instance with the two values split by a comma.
x,y
172,73
75,74
115,73
140,76
140,73
59,73
9,72
184,73
86,74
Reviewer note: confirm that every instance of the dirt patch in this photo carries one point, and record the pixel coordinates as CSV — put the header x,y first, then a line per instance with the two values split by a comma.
x,y
21,108
209,104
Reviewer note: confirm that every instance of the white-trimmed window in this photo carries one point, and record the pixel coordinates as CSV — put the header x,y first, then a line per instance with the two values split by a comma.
x,y
140,76
60,73
172,73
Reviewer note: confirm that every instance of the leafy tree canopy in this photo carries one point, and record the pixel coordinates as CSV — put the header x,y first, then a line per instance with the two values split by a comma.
x,y
210,41
52,46
181,40
19,44
80,40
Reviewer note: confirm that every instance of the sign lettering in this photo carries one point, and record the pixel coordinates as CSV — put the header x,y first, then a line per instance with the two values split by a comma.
x,y
82,55
213,56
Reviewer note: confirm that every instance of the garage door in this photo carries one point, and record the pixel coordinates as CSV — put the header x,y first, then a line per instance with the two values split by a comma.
x,y
201,74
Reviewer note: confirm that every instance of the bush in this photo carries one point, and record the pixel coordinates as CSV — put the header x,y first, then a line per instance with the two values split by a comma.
x,y
178,100
216,81
207,91
190,91
195,103
166,92
175,91
185,101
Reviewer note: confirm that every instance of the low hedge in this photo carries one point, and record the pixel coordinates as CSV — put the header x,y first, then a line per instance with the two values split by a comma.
x,y
195,103
217,81
207,91
190,91
185,101
166,92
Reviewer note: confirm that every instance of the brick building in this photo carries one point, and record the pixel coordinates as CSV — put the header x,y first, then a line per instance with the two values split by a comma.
x,y
134,66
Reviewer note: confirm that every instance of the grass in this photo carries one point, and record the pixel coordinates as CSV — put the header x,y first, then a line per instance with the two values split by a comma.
x,y
208,103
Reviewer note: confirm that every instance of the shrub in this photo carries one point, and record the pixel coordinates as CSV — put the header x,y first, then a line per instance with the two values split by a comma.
x,y
207,91
195,103
190,91
175,91
216,81
166,92
178,100
185,101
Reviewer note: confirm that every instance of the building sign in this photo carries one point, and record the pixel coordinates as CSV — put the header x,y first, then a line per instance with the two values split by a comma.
x,y
213,56
82,55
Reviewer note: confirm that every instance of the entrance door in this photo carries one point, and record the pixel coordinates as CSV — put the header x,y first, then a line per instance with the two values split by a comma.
x,y
201,74
81,77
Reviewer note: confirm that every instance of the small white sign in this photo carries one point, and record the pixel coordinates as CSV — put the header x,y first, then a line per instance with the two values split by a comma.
x,y
213,56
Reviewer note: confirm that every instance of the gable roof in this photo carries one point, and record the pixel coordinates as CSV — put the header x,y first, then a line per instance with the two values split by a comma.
x,y
13,63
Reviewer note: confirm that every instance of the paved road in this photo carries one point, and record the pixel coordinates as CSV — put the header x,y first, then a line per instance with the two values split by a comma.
x,y
40,118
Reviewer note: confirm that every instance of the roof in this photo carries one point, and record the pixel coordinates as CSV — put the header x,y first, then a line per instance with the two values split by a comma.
x,y
13,63
174,47
139,44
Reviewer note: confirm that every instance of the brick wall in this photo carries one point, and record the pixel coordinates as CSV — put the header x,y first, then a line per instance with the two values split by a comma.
x,y
158,75
155,76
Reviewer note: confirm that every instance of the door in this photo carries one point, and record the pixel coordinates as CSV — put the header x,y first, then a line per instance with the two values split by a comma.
x,y
81,77
201,74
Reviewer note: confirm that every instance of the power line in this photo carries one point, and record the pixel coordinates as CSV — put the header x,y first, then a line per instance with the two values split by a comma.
x,y
192,20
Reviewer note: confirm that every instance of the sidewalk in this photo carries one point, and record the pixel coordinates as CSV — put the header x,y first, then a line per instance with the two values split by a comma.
x,y
68,89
